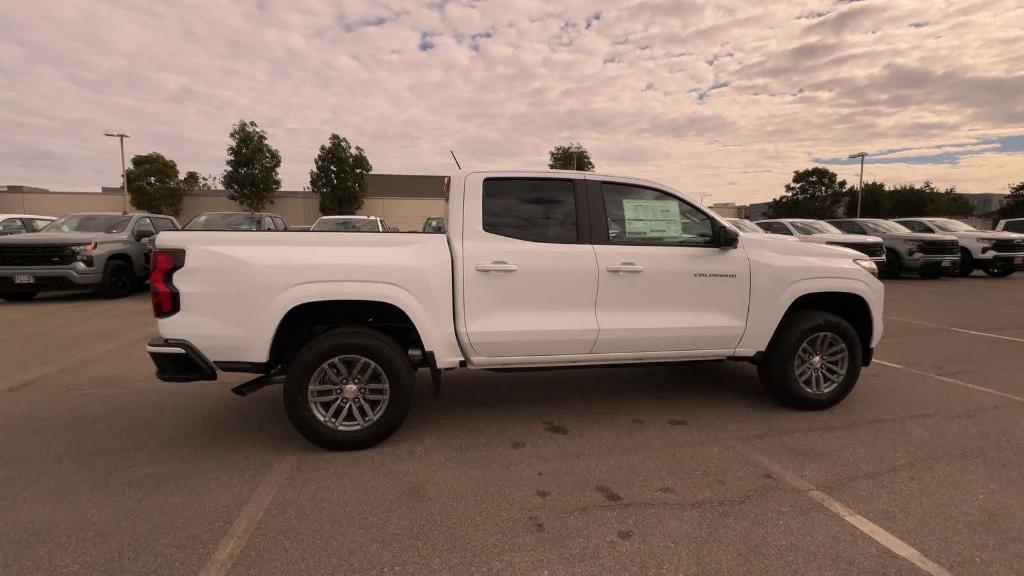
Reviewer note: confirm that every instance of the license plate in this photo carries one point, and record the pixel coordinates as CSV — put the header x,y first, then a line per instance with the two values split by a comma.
x,y
947,263
1018,260
24,279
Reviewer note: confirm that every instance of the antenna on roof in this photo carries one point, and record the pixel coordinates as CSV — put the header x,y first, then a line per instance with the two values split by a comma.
x,y
456,159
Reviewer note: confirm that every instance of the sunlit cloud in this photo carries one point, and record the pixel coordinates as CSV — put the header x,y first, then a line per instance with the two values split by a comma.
x,y
727,97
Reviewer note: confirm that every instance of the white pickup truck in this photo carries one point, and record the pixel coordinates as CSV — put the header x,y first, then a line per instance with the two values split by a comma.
x,y
536,269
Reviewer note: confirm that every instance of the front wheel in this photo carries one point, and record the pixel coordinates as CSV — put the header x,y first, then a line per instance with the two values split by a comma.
x,y
966,263
813,362
893,266
349,389
118,280
997,271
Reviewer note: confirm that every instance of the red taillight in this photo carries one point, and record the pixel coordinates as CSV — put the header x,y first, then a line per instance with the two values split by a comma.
x,y
162,266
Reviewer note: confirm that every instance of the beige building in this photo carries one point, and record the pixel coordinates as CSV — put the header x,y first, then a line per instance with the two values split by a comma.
x,y
403,201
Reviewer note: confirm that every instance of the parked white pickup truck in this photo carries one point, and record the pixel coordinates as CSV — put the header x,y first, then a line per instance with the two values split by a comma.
x,y
537,269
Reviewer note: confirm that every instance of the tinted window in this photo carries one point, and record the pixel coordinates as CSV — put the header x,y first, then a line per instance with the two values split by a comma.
x,y
38,224
224,221
849,227
775,228
346,225
916,226
144,224
164,224
12,226
1014,226
535,210
101,223
642,215
279,222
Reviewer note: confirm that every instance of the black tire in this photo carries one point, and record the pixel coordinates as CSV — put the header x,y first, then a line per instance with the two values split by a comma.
x,y
1000,271
369,344
966,263
118,280
777,371
18,296
893,266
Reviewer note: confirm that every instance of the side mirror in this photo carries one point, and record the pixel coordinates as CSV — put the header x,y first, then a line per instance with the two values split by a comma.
x,y
726,236
141,235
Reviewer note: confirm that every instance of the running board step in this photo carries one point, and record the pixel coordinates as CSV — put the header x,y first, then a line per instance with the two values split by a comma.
x,y
257,383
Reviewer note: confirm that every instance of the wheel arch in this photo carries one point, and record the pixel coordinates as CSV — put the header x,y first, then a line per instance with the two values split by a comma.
x,y
308,320
849,306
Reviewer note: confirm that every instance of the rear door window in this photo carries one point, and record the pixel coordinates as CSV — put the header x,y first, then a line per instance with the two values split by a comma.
x,y
849,227
279,222
532,209
775,228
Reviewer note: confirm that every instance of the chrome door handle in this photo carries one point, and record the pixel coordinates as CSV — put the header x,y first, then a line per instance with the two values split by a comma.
x,y
497,266
627,268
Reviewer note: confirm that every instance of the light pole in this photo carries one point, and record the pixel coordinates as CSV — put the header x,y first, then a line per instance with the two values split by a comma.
x,y
704,195
124,172
860,187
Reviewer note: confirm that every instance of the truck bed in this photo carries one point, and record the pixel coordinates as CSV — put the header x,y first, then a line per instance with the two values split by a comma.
x,y
237,286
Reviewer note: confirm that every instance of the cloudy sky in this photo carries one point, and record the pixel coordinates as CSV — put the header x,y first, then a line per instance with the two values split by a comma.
x,y
725,97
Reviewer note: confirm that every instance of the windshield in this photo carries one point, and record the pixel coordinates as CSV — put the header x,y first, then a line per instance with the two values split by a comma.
x,y
229,221
947,225
102,223
746,226
814,227
883,226
346,225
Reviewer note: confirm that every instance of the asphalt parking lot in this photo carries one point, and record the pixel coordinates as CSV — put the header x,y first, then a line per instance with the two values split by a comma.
x,y
665,470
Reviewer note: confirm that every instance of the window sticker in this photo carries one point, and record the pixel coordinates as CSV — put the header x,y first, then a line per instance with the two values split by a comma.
x,y
652,218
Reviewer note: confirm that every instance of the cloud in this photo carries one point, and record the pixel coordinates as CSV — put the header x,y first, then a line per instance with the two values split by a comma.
x,y
726,98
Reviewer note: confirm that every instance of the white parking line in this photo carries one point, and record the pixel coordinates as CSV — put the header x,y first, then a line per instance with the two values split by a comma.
x,y
951,380
874,531
962,330
228,549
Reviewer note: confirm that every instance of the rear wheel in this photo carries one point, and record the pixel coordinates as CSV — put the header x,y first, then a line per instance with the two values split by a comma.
x,y
349,389
18,296
966,263
813,362
118,280
893,266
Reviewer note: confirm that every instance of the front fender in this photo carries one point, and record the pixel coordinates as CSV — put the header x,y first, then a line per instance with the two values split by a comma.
x,y
767,312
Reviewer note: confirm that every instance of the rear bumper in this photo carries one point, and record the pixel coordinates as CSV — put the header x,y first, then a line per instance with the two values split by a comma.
x,y
179,361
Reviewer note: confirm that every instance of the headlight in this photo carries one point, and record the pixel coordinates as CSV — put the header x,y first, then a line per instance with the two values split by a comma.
x,y
84,253
911,246
868,265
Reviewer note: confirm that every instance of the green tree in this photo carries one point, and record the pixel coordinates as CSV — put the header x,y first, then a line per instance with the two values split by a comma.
x,y
193,181
339,176
1013,206
251,177
874,202
813,193
153,184
571,156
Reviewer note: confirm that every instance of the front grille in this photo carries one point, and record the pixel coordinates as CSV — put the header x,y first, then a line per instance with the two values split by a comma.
x,y
872,250
1008,245
36,255
939,248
